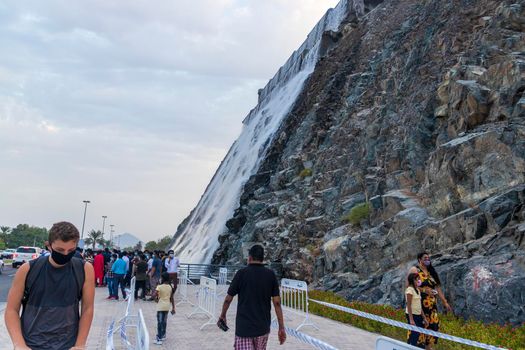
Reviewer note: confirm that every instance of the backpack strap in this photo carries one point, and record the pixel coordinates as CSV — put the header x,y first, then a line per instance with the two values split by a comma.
x,y
35,267
79,273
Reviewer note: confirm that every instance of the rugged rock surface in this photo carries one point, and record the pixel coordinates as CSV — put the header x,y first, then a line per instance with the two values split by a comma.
x,y
417,108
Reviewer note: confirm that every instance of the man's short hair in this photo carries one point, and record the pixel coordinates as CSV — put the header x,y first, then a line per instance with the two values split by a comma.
x,y
257,252
63,231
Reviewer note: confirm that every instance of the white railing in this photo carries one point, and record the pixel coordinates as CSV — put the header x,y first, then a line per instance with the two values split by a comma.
x,y
223,276
206,299
131,297
407,326
109,337
142,333
183,287
222,287
129,320
294,297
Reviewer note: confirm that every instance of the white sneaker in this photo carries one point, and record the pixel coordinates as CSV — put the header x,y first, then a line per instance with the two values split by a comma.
x,y
163,338
158,342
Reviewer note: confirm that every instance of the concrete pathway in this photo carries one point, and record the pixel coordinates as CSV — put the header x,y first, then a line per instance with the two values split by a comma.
x,y
184,333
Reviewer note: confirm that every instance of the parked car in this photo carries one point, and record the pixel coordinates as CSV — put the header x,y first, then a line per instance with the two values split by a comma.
x,y
7,254
1,266
24,254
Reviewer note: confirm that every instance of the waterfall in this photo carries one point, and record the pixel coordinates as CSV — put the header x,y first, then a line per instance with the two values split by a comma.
x,y
198,239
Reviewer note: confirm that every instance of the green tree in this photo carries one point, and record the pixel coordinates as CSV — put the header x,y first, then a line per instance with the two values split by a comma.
x,y
95,237
151,245
24,234
164,242
160,244
4,231
88,241
138,246
105,243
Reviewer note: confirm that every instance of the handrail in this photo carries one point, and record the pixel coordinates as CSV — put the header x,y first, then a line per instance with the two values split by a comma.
x,y
196,271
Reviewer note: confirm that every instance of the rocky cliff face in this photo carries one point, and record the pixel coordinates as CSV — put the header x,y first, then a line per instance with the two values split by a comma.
x,y
417,109
196,237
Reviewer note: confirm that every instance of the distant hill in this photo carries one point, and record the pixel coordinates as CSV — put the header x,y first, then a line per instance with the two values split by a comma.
x,y
126,240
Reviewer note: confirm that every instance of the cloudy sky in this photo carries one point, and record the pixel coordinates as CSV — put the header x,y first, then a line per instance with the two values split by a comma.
x,y
130,104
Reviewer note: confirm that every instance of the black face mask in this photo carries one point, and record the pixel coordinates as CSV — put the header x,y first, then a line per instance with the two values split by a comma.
x,y
61,259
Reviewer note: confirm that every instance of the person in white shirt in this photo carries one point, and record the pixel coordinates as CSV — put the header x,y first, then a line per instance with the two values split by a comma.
x,y
172,268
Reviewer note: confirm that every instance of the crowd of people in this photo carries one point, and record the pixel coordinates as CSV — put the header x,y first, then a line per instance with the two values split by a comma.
x,y
115,268
155,272
156,276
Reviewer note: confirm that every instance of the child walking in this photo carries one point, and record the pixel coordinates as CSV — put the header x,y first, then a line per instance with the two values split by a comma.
x,y
165,302
414,313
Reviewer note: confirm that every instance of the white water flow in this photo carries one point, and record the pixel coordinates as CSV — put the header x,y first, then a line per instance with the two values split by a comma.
x,y
198,240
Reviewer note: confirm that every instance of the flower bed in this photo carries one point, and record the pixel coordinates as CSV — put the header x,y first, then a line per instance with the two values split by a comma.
x,y
494,334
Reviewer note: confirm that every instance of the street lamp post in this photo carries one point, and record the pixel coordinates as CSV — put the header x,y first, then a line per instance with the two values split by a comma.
x,y
84,221
103,225
111,234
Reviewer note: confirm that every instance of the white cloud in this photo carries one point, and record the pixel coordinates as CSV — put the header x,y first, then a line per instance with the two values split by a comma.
x,y
130,104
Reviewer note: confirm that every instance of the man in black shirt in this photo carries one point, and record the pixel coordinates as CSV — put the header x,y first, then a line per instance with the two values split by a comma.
x,y
256,286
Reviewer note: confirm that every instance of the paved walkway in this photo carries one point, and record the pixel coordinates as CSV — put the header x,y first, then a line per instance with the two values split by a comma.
x,y
184,333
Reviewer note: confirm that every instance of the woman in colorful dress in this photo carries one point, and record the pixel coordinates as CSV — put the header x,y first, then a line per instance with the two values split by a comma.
x,y
430,289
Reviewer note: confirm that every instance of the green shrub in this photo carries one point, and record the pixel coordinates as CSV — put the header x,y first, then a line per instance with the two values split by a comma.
x,y
305,173
505,336
359,212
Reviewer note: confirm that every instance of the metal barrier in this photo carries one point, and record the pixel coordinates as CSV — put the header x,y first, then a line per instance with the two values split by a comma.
x,y
131,296
182,289
129,320
223,276
195,271
222,287
123,334
407,326
305,338
206,300
109,337
385,343
142,333
294,297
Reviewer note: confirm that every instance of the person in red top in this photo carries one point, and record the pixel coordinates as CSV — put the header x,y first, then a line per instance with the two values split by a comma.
x,y
98,265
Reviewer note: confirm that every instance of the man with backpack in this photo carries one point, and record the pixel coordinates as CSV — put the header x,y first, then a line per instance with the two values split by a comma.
x,y
50,290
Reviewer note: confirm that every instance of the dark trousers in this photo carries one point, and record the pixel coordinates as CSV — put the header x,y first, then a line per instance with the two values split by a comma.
x,y
127,278
174,280
111,282
119,281
162,320
414,336
141,285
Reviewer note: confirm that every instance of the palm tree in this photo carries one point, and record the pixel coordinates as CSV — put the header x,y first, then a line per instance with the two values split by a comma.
x,y
102,242
95,236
